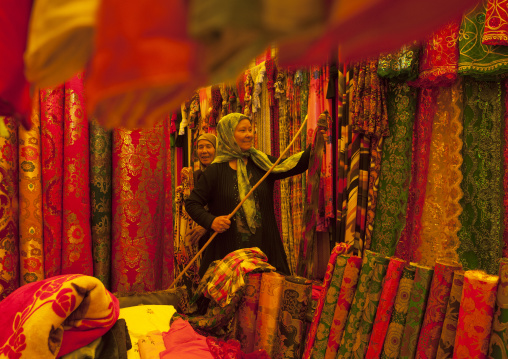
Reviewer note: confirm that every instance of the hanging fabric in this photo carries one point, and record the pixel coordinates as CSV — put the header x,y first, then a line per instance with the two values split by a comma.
x,y
31,248
498,347
496,24
401,65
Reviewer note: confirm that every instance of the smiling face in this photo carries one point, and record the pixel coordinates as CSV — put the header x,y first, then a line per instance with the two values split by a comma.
x,y
244,134
206,152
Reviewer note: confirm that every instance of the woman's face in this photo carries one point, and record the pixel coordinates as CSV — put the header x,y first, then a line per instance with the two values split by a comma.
x,y
244,135
206,152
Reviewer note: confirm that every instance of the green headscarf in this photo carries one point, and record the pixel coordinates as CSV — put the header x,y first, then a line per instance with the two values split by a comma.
x,y
228,149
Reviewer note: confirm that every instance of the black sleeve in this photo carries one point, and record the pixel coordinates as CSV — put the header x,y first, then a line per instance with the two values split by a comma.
x,y
201,196
301,166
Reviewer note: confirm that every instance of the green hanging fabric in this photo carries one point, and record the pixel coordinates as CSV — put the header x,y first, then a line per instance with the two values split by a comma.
x,y
482,169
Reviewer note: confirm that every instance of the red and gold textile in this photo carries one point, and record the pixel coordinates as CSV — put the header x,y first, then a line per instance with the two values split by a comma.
x,y
496,23
52,317
142,221
9,257
440,57
498,347
30,199
347,292
475,315
340,248
435,310
267,320
248,311
52,125
385,307
77,235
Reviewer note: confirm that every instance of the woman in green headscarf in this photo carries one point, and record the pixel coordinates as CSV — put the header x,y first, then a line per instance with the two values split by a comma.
x,y
237,167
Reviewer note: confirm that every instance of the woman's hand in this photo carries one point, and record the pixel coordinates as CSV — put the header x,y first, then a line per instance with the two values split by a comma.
x,y
221,224
193,236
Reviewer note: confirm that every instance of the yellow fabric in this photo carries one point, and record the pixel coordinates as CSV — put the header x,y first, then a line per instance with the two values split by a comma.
x,y
151,344
144,319
60,40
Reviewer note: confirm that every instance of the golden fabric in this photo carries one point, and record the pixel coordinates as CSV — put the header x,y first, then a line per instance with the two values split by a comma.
x,y
30,200
441,210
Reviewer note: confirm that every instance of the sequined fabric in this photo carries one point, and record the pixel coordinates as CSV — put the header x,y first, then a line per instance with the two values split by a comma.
x,y
482,169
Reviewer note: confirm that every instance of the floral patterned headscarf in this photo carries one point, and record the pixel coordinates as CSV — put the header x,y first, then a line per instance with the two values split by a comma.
x,y
228,149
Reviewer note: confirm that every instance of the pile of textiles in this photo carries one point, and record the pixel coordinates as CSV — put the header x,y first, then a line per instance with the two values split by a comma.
x,y
384,307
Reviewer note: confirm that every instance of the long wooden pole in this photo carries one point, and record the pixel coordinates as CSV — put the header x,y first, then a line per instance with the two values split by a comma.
x,y
240,204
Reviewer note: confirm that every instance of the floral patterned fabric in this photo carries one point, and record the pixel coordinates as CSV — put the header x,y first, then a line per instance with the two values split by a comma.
x,y
9,265
142,210
371,305
52,127
340,248
100,197
439,57
358,305
53,317
30,199
332,295
248,311
482,169
505,180
77,235
447,341
441,209
498,347
395,331
496,23
475,315
385,307
401,65
267,320
347,292
416,311
435,310
422,132
390,216
296,297
477,59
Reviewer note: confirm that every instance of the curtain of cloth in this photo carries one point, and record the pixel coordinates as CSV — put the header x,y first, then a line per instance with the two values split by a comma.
x,y
505,177
31,254
142,223
347,292
416,311
435,310
496,23
9,254
100,200
358,305
76,236
475,315
482,169
447,341
52,130
441,209
393,339
385,307
498,347
422,134
395,173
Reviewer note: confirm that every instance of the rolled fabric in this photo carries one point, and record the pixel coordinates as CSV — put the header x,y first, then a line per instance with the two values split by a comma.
x,y
267,321
295,301
248,311
30,199
447,341
356,311
385,307
319,350
436,309
393,338
475,315
369,311
100,200
347,292
498,347
416,311
311,335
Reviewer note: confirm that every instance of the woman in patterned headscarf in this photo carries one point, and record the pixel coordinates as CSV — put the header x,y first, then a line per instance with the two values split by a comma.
x,y
237,167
